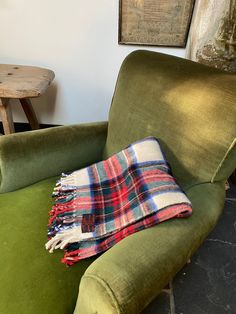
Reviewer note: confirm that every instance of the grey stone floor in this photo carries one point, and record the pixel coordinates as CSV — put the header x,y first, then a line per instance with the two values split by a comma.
x,y
207,285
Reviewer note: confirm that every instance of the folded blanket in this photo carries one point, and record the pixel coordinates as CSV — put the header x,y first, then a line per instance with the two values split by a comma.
x,y
81,250
99,205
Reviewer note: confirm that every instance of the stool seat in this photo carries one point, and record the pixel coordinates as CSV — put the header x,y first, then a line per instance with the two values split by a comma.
x,y
21,82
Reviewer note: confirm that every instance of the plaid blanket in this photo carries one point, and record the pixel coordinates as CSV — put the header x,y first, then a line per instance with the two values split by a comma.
x,y
99,205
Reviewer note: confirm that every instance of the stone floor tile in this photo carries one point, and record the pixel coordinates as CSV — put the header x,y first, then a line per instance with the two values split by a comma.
x,y
208,284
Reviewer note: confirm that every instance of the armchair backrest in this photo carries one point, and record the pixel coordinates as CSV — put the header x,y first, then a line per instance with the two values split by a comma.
x,y
189,107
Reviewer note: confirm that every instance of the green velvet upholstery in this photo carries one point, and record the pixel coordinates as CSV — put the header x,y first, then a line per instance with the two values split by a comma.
x,y
134,271
29,157
32,280
192,110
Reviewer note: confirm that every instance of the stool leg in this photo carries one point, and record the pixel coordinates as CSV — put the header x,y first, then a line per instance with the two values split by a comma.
x,y
29,112
6,115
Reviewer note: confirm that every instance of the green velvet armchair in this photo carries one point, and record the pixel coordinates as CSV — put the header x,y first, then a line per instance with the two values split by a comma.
x,y
191,109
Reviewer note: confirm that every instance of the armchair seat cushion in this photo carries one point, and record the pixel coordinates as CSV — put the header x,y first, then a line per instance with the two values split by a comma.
x,y
31,280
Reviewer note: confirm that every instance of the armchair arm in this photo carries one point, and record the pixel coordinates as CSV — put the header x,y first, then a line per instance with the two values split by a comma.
x,y
28,157
133,272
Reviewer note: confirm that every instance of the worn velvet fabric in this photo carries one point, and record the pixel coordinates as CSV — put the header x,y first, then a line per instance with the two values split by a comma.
x,y
29,157
192,110
31,280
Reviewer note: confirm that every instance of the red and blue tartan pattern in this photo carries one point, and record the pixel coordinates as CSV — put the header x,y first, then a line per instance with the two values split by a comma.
x,y
81,250
99,205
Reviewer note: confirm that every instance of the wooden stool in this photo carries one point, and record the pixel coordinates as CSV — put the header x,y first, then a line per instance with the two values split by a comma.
x,y
21,82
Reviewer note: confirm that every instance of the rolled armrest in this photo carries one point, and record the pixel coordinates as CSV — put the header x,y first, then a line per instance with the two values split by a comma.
x,y
132,273
28,157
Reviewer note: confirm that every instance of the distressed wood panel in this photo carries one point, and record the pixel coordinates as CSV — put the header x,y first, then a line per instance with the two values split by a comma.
x,y
151,22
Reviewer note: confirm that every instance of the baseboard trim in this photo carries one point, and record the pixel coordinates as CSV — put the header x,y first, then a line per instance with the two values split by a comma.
x,y
22,127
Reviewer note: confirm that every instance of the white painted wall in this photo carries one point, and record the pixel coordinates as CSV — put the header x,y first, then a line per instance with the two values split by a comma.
x,y
78,40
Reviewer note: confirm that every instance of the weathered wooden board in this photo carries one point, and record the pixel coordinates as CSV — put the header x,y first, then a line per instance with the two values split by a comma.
x,y
151,22
18,81
212,38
